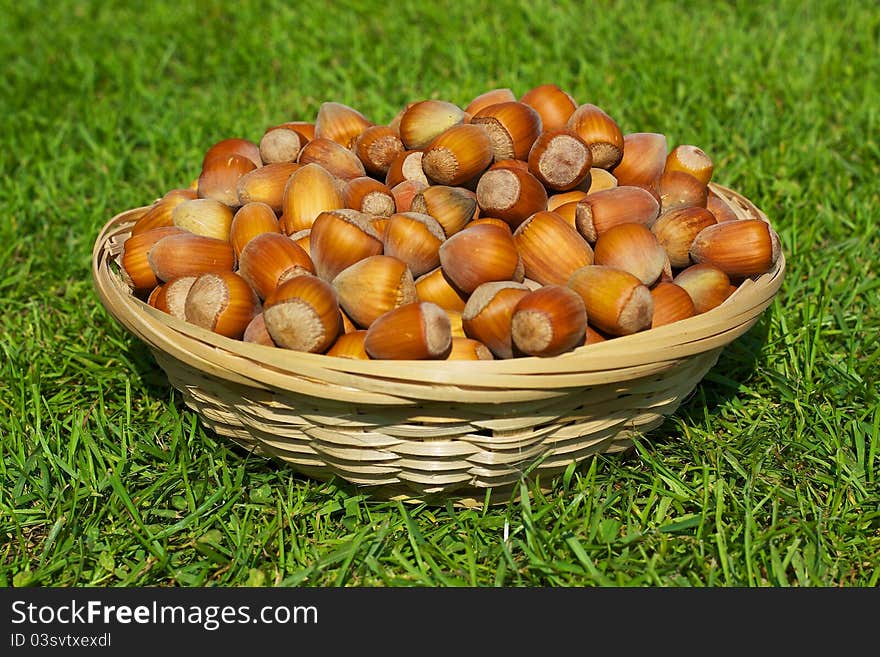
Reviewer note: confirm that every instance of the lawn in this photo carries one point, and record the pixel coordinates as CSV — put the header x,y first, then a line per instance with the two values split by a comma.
x,y
769,475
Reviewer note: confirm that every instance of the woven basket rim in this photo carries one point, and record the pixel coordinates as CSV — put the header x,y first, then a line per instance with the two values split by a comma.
x,y
377,381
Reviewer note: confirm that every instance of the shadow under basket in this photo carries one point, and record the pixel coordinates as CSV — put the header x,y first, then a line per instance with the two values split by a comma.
x,y
434,431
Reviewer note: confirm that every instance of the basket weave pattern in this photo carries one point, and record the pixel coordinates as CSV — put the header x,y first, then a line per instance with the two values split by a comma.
x,y
433,430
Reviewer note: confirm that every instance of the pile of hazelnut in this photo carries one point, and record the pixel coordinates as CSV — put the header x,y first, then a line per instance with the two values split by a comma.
x,y
510,227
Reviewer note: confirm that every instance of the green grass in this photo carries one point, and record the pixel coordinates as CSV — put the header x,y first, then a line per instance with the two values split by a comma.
x,y
767,476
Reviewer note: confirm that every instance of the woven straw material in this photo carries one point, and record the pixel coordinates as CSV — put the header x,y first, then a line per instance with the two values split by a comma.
x,y
434,430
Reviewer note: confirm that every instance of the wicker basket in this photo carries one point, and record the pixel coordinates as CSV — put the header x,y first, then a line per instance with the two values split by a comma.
x,y
438,430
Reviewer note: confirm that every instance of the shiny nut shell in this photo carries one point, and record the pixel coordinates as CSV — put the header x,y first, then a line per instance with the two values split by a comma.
x,y
671,304
456,323
303,314
340,238
222,302
377,147
556,201
369,196
617,302
159,213
220,177
468,349
334,157
491,221
305,129
310,190
452,207
350,345
748,247
188,254
436,287
549,321
690,159
480,254
204,216
488,313
340,123
233,146
406,166
510,194
512,127
266,184
134,258
371,287
550,248
269,259
414,331
568,212
599,211
676,230
422,121
170,297
414,238
678,189
457,155
720,208
302,238
595,127
554,105
250,220
643,161
487,98
560,159
601,179
634,248
707,286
